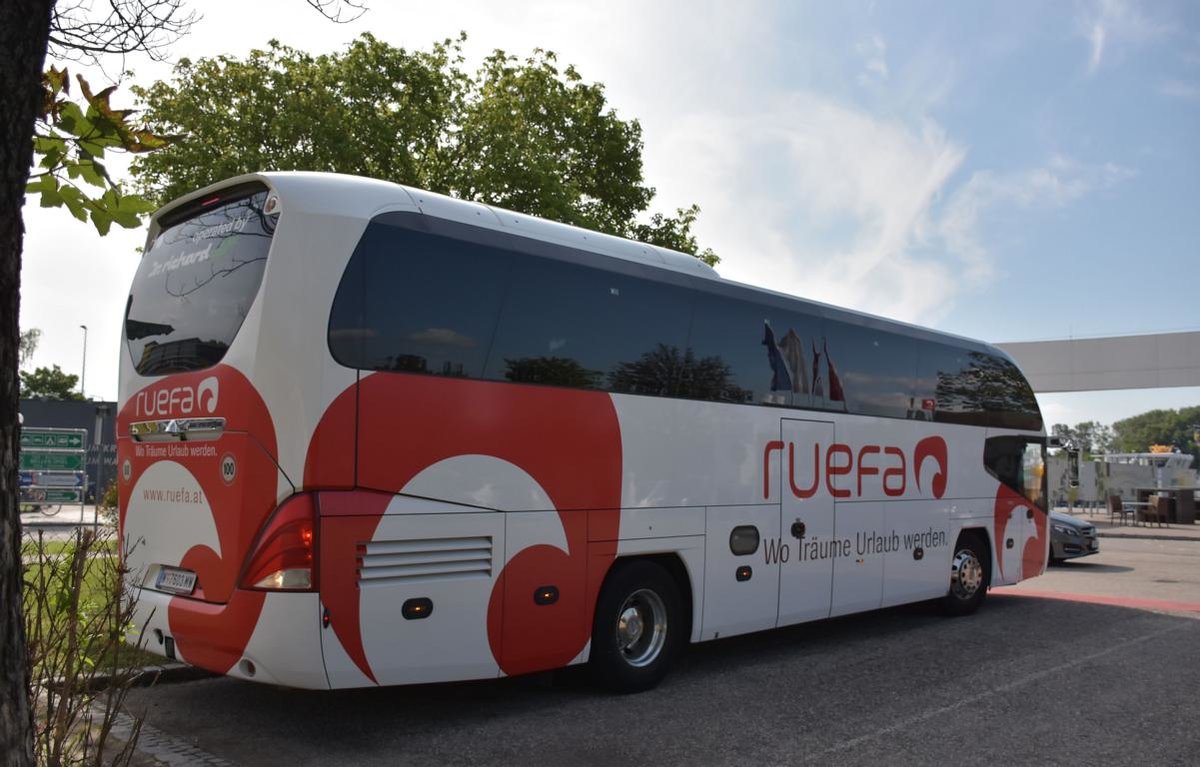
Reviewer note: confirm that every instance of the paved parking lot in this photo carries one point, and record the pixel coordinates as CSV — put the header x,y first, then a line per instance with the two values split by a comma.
x,y
1029,679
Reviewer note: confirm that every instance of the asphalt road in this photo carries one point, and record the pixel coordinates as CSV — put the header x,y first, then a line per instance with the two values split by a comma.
x,y
1027,680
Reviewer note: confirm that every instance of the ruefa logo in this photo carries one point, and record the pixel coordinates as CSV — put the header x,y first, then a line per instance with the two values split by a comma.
x,y
888,463
209,386
179,400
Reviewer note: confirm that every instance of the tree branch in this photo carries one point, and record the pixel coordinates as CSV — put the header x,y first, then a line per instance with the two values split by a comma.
x,y
81,31
340,11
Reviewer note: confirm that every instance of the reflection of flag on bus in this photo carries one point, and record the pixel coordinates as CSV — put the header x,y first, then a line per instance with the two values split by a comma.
x,y
781,377
836,393
817,389
792,349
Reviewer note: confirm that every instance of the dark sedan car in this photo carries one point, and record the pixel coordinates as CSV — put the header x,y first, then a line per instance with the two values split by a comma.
x,y
1071,537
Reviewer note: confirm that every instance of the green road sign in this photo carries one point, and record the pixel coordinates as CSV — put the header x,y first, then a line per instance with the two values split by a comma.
x,y
33,461
68,440
63,495
44,495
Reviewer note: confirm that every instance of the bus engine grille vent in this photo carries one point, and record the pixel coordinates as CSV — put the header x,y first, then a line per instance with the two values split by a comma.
x,y
382,562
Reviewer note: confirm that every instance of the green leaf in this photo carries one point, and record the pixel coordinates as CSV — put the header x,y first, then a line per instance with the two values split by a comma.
x,y
75,201
73,121
91,148
57,80
127,220
51,198
46,144
42,184
101,220
86,169
51,160
132,203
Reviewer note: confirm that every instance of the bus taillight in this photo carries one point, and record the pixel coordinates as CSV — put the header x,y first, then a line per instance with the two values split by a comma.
x,y
284,556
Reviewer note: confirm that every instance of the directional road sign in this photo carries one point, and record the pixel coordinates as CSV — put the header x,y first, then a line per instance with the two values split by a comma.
x,y
40,461
53,438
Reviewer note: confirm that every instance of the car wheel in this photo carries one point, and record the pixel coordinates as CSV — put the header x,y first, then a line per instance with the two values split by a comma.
x,y
638,628
970,571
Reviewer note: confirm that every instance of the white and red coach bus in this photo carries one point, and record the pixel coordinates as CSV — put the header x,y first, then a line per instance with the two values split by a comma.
x,y
371,435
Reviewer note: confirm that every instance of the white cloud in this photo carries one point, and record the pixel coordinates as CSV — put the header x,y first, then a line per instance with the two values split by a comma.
x,y
874,54
1058,183
1178,89
1106,23
814,197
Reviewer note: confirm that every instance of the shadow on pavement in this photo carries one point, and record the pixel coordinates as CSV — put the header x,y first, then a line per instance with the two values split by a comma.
x,y
880,665
1090,567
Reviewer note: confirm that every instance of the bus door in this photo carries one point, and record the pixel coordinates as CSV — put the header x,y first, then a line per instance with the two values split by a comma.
x,y
806,521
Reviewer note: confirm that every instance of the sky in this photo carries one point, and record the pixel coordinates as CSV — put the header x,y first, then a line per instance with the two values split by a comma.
x,y
1009,171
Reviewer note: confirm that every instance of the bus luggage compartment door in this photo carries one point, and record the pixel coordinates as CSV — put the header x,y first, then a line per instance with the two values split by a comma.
x,y
422,583
741,569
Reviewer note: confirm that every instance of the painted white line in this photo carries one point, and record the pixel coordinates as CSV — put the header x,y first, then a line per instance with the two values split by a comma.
x,y
933,713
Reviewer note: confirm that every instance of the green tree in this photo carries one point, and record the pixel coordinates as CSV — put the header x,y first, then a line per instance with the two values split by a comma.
x,y
518,133
27,344
667,371
1089,437
556,371
1160,427
49,383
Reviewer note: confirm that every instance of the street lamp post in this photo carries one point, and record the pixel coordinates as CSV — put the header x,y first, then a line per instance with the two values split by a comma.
x,y
98,440
83,372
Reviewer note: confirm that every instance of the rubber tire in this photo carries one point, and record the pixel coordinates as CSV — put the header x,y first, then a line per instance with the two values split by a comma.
x,y
608,666
953,605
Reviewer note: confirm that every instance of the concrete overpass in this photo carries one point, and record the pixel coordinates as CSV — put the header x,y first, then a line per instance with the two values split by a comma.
x,y
1119,362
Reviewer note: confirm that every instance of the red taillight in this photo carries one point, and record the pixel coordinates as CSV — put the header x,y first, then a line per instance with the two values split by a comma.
x,y
284,557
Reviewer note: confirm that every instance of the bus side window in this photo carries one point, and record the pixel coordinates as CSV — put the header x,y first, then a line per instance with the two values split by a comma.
x,y
1019,464
975,388
753,353
565,324
424,303
869,371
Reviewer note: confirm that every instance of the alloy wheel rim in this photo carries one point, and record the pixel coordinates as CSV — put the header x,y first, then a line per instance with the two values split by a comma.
x,y
966,574
641,630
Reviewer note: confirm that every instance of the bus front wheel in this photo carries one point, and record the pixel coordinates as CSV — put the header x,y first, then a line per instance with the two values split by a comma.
x,y
638,628
970,571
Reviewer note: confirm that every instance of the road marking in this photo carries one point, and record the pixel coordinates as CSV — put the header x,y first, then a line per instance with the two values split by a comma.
x,y
1162,605
934,713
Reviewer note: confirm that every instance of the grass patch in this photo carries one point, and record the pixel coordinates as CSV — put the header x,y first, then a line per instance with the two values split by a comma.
x,y
51,569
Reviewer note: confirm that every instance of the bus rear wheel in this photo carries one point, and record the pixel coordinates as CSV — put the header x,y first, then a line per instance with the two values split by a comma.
x,y
970,571
638,628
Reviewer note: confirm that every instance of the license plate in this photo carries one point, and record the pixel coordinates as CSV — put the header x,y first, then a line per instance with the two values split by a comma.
x,y
175,580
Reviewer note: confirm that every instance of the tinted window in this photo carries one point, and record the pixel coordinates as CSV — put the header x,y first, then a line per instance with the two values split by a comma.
x,y
754,353
195,284
569,325
869,371
1020,464
974,387
415,302
470,305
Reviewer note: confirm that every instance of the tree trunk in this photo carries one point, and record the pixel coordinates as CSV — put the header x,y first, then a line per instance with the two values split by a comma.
x,y
24,30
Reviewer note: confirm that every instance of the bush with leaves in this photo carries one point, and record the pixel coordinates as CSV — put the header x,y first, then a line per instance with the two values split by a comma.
x,y
77,617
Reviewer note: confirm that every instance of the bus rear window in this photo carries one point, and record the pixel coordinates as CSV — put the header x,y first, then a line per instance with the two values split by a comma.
x,y
196,283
